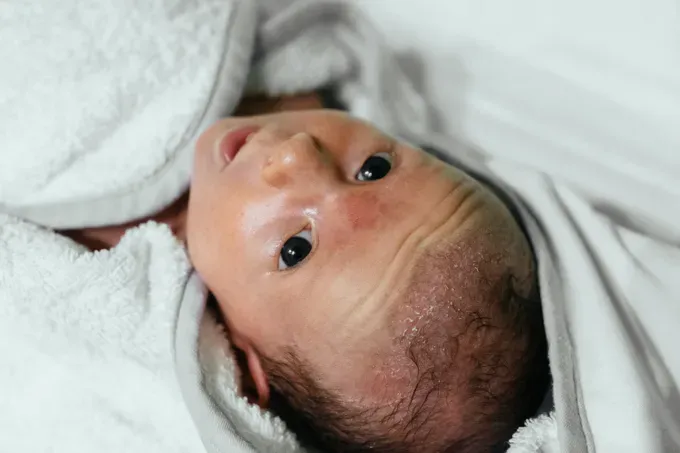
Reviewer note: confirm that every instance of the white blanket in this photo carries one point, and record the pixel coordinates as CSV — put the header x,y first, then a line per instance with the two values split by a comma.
x,y
85,343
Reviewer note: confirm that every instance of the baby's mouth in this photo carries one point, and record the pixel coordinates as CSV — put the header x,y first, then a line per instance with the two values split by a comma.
x,y
232,142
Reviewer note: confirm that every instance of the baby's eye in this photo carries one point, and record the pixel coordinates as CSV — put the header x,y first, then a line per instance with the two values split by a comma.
x,y
295,250
376,167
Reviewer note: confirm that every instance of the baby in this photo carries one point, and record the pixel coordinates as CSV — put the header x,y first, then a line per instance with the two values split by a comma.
x,y
378,299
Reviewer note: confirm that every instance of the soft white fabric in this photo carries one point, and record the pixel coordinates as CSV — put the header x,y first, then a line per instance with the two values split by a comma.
x,y
86,343
101,101
88,340
539,435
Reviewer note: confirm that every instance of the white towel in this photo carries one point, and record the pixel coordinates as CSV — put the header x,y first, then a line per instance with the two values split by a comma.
x,y
98,116
85,343
103,100
538,436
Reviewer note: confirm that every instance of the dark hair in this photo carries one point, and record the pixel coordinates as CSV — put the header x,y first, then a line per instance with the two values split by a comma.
x,y
317,416
505,380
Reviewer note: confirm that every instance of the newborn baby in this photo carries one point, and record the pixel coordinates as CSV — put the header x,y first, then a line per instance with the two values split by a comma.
x,y
381,299
378,299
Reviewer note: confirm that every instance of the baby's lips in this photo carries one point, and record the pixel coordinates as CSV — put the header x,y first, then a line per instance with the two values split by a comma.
x,y
232,142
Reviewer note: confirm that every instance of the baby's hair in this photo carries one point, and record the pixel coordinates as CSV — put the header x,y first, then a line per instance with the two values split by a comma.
x,y
475,341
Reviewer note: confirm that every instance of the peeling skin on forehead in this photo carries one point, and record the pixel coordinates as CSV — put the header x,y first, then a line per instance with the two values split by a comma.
x,y
427,282
447,291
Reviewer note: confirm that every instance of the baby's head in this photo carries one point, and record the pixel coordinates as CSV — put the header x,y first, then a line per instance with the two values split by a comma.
x,y
380,299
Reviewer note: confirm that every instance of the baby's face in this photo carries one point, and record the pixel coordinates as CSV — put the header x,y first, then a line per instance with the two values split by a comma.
x,y
307,234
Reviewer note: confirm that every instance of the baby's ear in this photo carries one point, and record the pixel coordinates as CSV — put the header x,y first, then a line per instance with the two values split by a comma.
x,y
254,382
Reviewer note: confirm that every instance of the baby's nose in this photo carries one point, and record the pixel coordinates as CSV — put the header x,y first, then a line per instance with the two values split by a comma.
x,y
299,157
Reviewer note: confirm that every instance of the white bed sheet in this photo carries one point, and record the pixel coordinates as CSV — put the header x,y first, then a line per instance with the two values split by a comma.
x,y
529,78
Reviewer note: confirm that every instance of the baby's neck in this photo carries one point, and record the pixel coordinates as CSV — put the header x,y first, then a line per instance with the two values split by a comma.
x,y
104,238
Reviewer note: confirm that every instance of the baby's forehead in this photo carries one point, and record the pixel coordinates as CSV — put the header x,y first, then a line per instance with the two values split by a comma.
x,y
447,285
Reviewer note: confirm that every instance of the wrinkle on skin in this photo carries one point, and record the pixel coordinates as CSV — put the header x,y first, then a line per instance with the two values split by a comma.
x,y
404,255
452,217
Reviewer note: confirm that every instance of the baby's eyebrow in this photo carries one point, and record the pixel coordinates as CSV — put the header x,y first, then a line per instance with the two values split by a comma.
x,y
384,143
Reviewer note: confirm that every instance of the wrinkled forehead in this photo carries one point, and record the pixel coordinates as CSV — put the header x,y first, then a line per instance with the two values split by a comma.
x,y
378,310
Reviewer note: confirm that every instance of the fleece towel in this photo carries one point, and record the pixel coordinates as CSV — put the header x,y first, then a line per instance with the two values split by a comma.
x,y
103,100
87,361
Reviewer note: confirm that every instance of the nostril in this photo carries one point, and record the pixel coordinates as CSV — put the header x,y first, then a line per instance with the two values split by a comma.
x,y
317,144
